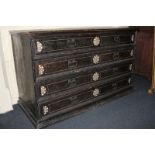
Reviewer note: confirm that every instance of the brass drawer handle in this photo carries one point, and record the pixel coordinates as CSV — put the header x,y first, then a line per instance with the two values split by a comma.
x,y
45,110
39,47
43,90
96,76
96,59
96,41
41,69
96,92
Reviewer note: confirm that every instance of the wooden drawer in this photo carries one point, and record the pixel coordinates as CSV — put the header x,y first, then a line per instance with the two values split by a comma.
x,y
60,83
64,42
83,96
51,66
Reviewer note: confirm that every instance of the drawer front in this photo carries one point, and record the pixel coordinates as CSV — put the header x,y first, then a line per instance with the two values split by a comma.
x,y
52,45
83,96
51,66
53,85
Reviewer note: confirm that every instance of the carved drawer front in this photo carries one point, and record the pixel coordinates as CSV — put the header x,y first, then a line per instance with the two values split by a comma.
x,y
53,44
83,96
115,56
53,85
50,66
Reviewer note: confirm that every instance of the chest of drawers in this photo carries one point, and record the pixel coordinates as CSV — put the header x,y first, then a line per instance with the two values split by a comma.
x,y
60,73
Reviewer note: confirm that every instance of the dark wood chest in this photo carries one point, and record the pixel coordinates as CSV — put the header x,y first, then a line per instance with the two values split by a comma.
x,y
59,73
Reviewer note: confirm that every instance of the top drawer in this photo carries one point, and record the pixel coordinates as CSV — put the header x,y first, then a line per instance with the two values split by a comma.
x,y
75,41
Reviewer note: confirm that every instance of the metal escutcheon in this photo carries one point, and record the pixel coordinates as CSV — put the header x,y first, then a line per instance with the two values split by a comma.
x,y
96,41
129,80
130,67
133,38
131,53
39,47
45,110
41,69
96,59
43,90
95,76
96,92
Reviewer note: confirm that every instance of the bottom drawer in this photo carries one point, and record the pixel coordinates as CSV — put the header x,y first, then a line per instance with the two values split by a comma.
x,y
76,100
